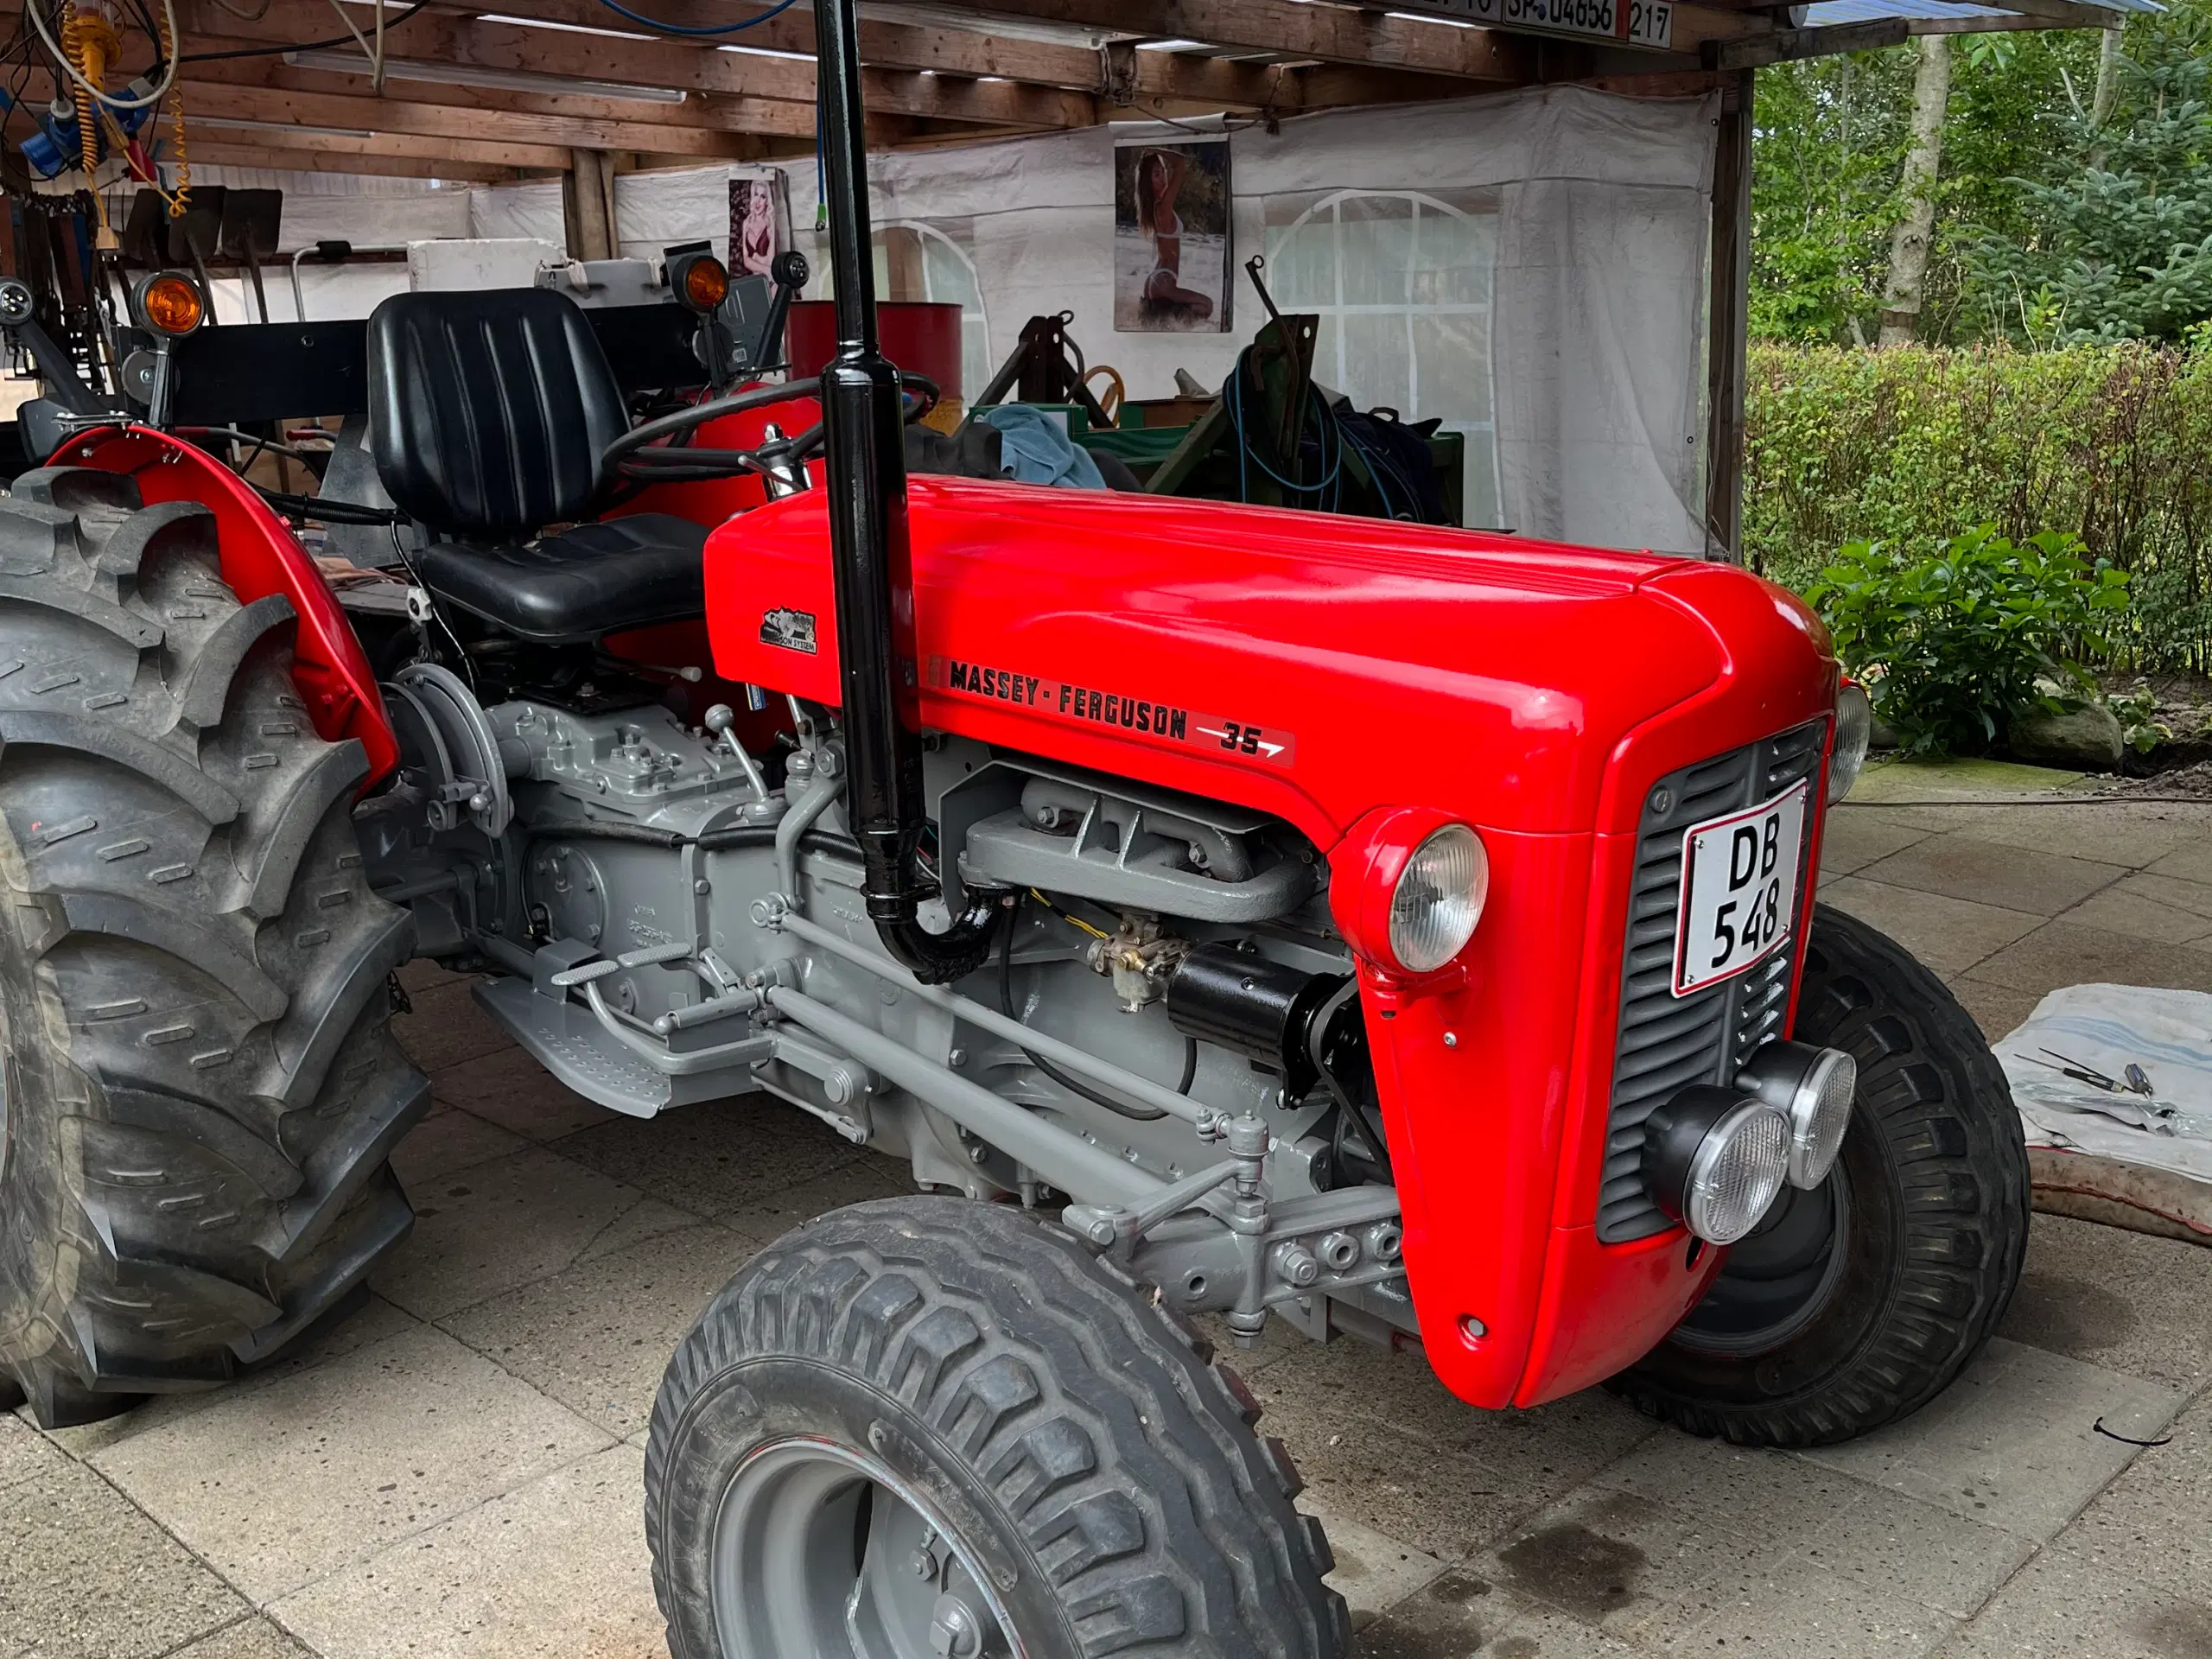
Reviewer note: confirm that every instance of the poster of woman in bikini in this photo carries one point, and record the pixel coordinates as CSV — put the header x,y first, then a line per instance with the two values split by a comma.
x,y
1171,237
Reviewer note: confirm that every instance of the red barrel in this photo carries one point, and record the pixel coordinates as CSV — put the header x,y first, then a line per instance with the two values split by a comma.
x,y
921,336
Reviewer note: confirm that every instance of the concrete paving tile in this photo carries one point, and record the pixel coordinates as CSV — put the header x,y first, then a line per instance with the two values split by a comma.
x,y
422,975
1852,839
24,1454
598,1337
514,1090
551,1570
2129,1302
1361,1470
1999,1010
2162,908
769,1216
447,1026
449,1141
2192,860
374,1323
1373,1570
2010,1444
1983,872
85,1575
507,1222
2062,1605
2117,833
710,1159
1841,1525
1950,935
2154,1522
1541,1452
1637,1567
2059,953
250,1638
1807,1613
1458,1615
279,1486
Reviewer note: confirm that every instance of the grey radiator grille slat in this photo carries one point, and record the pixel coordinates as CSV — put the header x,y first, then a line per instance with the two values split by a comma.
x,y
1667,1043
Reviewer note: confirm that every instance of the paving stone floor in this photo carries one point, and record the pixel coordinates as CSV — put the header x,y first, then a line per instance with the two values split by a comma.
x,y
456,1471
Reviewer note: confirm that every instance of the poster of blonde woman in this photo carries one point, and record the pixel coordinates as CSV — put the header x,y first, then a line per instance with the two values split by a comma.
x,y
1171,237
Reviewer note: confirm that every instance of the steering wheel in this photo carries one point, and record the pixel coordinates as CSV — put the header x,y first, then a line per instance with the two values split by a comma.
x,y
637,455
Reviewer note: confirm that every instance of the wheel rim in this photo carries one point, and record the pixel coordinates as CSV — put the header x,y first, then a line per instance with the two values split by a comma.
x,y
821,1550
1778,1278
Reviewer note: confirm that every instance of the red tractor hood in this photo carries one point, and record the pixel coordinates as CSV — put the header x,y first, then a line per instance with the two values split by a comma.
x,y
1315,667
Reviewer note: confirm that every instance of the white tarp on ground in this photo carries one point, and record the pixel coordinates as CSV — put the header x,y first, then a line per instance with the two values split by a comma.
x,y
2149,1152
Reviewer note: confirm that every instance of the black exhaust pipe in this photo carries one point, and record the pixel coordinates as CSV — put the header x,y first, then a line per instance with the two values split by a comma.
x,y
867,466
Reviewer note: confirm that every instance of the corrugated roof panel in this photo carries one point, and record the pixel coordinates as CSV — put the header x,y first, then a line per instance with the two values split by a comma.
x,y
1864,11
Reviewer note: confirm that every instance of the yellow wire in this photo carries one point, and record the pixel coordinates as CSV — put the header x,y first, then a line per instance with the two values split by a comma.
x,y
1072,921
79,45
183,193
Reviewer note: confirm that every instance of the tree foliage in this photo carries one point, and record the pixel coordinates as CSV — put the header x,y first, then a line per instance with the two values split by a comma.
x,y
2051,228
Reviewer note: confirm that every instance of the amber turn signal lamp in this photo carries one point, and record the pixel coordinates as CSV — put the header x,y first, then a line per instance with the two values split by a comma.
x,y
702,283
169,302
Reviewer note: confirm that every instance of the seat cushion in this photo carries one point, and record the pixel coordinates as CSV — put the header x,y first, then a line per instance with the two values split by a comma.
x,y
488,410
595,579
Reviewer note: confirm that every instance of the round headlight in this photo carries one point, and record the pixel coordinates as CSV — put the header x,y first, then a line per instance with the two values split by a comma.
x,y
1855,729
1739,1167
1439,899
1715,1159
1813,1088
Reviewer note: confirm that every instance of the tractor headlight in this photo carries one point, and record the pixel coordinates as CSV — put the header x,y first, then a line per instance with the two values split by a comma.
x,y
1439,899
1855,729
1715,1159
1814,1089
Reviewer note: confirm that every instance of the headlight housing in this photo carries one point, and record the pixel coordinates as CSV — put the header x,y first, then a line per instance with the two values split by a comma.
x,y
1854,730
1439,899
1814,1088
1714,1161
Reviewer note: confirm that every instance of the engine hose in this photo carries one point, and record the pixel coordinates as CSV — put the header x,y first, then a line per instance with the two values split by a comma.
x,y
1074,1085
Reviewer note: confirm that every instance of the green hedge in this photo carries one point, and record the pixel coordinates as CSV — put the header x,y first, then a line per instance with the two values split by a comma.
x,y
1912,446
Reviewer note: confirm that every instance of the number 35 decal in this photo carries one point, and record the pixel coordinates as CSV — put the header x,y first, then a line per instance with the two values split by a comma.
x,y
1242,737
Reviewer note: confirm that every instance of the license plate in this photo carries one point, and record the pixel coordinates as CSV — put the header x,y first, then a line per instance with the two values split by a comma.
x,y
1739,890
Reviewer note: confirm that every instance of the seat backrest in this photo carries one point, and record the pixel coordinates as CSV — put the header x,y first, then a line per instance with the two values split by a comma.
x,y
488,410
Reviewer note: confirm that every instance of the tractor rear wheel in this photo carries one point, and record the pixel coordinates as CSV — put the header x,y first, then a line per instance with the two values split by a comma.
x,y
1859,1301
200,1090
927,1426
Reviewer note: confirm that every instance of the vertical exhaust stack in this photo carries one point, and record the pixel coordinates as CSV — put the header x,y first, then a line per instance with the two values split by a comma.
x,y
866,468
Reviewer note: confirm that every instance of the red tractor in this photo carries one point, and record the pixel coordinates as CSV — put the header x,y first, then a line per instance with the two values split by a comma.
x,y
1223,911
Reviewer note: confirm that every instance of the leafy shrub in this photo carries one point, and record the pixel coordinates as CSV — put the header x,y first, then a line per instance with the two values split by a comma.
x,y
1954,644
1909,447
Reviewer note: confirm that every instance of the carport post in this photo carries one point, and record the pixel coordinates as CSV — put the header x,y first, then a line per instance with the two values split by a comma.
x,y
1727,324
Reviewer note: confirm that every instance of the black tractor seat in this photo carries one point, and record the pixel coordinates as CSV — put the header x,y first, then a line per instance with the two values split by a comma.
x,y
488,411
595,579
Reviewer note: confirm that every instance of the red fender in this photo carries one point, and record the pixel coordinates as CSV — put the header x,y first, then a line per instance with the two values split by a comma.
x,y
260,556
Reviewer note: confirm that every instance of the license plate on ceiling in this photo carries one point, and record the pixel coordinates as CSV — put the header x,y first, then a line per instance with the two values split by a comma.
x,y
1739,890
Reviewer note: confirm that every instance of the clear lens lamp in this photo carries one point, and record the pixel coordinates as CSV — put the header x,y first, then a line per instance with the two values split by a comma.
x,y
1854,730
1813,1088
1714,1161
1439,899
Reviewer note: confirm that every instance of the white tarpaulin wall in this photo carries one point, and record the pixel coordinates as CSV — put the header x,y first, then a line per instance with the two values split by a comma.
x,y
1529,267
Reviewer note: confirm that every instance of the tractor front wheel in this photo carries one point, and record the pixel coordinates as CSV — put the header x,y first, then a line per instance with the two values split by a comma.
x,y
1859,1301
929,1426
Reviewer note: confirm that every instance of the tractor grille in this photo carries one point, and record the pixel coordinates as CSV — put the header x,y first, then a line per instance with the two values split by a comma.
x,y
1669,1042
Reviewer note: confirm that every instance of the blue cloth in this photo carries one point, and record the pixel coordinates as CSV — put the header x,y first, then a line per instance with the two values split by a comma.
x,y
1035,448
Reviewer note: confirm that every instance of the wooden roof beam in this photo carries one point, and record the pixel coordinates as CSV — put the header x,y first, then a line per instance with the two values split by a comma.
x,y
1191,78
460,41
